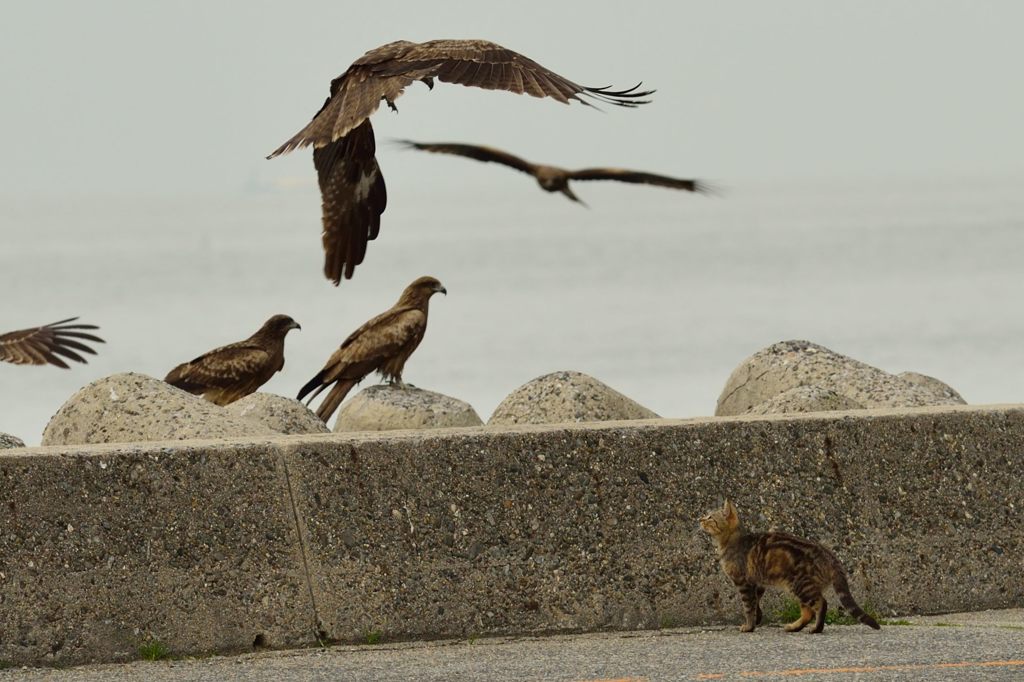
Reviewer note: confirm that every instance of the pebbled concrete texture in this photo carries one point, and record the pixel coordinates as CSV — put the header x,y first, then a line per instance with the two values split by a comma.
x,y
805,399
566,396
940,389
387,408
792,364
103,549
492,531
130,407
284,415
8,441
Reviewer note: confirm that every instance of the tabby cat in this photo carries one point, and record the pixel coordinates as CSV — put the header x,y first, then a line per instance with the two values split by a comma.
x,y
756,560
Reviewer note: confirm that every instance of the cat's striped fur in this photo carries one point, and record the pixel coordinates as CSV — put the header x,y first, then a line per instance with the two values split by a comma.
x,y
754,561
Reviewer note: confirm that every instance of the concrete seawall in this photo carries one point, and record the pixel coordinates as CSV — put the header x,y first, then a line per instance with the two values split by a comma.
x,y
220,546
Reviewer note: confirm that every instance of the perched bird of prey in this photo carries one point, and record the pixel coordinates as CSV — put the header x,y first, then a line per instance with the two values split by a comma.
x,y
351,186
231,372
383,344
552,178
43,345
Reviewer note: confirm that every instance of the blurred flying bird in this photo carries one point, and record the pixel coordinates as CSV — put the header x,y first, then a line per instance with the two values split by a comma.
x,y
351,186
231,372
552,178
43,345
383,345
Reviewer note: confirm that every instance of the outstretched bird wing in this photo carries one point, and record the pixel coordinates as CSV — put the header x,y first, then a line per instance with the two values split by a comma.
x,y
638,177
384,72
350,182
42,345
473,151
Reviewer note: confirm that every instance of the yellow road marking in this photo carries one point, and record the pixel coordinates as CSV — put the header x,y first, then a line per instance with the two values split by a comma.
x,y
798,672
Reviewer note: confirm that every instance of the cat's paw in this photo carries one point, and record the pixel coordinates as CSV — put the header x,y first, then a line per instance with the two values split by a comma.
x,y
746,627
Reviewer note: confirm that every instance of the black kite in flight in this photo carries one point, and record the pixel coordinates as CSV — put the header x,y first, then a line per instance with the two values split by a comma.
x,y
351,186
43,345
231,372
552,178
383,344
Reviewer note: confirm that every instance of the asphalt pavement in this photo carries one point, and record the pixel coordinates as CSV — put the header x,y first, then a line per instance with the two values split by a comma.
x,y
975,646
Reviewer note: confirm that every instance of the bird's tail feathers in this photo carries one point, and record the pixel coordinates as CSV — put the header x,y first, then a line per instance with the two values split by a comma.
x,y
314,383
334,398
569,193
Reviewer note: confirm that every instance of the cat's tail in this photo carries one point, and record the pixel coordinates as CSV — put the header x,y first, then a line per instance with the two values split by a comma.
x,y
842,589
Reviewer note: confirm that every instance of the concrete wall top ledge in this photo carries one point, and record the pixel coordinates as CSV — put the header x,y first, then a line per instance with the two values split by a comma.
x,y
169,447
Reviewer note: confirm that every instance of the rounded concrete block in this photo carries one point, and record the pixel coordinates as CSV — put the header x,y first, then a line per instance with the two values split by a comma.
x,y
284,415
939,389
385,408
566,397
129,407
9,441
805,399
790,364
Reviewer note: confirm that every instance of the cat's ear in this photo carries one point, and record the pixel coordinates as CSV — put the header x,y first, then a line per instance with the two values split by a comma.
x,y
730,512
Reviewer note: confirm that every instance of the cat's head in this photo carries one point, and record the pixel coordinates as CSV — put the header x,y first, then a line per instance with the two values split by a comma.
x,y
720,521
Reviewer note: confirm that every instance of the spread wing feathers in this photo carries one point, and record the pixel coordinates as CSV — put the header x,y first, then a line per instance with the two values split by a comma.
x,y
473,151
223,367
637,177
487,65
46,344
354,196
385,72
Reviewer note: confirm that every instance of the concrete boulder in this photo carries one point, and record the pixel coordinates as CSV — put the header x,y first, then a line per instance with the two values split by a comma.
x,y
284,415
939,389
131,407
385,408
566,397
805,399
793,364
9,441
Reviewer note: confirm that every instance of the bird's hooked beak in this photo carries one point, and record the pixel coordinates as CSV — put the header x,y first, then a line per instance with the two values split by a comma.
x,y
295,325
439,289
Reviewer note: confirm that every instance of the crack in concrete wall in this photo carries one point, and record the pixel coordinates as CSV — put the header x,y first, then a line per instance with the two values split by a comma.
x,y
317,629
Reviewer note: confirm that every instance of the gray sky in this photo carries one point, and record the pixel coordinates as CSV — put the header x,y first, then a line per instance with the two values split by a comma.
x,y
144,97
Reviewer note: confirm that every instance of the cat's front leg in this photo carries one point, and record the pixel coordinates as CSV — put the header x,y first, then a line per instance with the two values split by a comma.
x,y
749,595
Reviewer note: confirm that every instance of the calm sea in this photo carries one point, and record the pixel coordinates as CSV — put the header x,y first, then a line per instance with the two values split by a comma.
x,y
659,294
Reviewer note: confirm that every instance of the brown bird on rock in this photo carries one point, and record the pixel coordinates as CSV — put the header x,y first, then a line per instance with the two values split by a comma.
x,y
351,186
553,178
44,345
231,372
383,344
